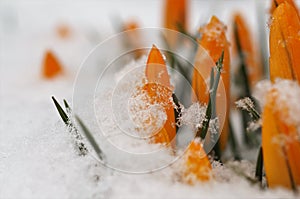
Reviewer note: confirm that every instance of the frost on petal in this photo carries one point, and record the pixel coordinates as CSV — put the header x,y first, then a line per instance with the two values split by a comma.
x,y
287,93
147,117
196,165
260,91
280,134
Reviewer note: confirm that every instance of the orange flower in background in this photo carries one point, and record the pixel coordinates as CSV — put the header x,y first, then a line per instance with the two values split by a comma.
x,y
197,165
175,18
285,43
63,31
51,66
131,25
276,3
281,144
159,89
133,37
175,14
249,49
214,41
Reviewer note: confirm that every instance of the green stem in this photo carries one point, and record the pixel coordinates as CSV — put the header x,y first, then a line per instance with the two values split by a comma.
x,y
233,142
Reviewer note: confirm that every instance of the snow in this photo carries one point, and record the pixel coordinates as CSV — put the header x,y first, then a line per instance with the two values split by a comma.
x,y
193,116
245,103
37,156
286,95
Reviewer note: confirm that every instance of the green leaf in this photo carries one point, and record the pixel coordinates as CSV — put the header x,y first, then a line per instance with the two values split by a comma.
x,y
233,142
68,108
183,31
205,123
211,107
174,62
259,166
243,73
61,112
66,104
90,138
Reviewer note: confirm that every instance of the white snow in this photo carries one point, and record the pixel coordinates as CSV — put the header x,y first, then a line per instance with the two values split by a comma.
x,y
286,95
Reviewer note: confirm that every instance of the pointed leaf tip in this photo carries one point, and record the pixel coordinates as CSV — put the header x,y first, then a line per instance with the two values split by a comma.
x,y
61,112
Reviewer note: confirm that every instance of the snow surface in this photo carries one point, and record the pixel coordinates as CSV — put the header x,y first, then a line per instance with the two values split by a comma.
x,y
37,158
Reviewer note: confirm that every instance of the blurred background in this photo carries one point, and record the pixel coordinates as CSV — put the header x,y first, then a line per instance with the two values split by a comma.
x,y
72,28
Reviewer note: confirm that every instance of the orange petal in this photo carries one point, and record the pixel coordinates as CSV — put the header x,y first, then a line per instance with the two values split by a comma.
x,y
175,17
281,161
161,137
51,66
200,88
156,70
131,25
197,164
160,91
175,14
276,3
214,41
285,43
252,59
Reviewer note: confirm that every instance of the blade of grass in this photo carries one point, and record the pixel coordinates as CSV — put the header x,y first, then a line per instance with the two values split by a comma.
x,y
216,83
61,112
177,109
66,104
243,67
79,144
219,64
243,75
259,166
174,63
201,132
208,114
210,111
233,142
90,138
247,104
183,31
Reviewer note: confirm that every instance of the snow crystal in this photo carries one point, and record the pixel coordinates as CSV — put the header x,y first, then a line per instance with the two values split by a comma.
x,y
286,93
245,103
193,116
254,125
260,91
133,64
213,128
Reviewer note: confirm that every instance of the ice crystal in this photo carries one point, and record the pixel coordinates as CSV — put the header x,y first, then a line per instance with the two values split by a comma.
x,y
193,116
286,93
213,128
